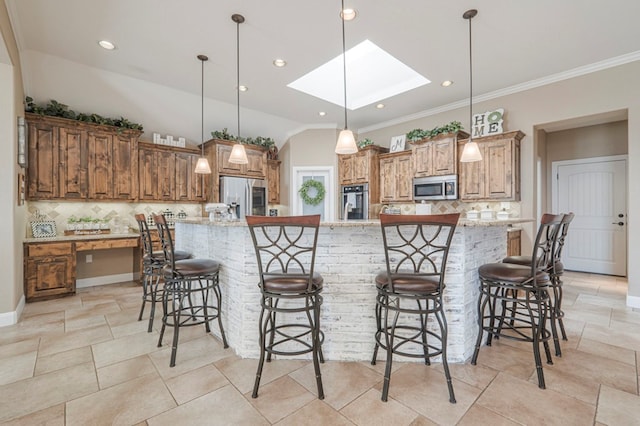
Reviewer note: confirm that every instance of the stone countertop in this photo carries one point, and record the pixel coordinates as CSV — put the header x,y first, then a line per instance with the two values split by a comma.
x,y
355,223
64,238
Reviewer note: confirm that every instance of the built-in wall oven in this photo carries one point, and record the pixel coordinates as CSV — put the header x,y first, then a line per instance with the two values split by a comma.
x,y
435,188
354,202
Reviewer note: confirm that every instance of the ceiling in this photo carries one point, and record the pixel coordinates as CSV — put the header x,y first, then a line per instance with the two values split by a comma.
x,y
514,42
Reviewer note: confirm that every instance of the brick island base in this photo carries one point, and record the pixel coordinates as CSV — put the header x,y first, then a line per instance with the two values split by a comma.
x,y
349,256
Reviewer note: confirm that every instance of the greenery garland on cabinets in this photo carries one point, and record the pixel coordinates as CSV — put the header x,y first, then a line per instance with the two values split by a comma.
x,y
304,192
365,142
55,109
417,134
259,140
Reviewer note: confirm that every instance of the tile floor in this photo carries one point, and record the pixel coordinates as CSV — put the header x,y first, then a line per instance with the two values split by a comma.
x,y
86,360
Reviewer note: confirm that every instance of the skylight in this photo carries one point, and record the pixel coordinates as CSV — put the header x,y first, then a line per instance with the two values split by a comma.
x,y
372,75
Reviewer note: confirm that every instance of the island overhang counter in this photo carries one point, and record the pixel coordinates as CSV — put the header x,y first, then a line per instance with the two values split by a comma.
x,y
349,255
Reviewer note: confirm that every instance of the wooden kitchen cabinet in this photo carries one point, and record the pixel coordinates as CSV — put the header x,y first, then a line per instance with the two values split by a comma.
x,y
514,242
361,167
497,176
43,152
73,160
256,158
49,270
273,181
218,151
167,174
436,156
396,177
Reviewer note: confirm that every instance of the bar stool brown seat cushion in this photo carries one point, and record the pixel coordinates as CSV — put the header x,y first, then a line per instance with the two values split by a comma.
x,y
510,273
275,283
526,261
158,256
408,283
192,268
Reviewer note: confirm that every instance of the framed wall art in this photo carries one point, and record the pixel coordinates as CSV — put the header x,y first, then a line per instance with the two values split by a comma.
x,y
397,143
43,228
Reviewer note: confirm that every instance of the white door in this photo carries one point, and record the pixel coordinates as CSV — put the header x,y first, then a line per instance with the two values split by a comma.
x,y
596,191
326,208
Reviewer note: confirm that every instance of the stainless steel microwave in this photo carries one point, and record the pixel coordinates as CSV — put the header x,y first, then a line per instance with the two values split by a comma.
x,y
435,188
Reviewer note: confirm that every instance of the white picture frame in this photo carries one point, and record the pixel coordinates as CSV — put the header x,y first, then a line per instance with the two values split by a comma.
x,y
43,228
397,143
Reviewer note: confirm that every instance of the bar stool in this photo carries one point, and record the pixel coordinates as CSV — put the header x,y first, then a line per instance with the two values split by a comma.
x,y
555,268
152,263
416,249
285,251
190,284
521,292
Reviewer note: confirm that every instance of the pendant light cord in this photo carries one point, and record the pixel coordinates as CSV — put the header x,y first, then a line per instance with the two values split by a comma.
x,y
202,107
470,86
344,67
238,74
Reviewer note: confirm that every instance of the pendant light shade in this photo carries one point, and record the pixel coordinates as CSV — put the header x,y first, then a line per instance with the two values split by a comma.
x,y
202,166
238,153
471,151
346,142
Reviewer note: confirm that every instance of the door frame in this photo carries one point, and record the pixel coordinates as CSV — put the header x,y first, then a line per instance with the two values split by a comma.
x,y
330,202
554,186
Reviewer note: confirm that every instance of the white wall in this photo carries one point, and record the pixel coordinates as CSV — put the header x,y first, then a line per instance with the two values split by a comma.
x,y
158,108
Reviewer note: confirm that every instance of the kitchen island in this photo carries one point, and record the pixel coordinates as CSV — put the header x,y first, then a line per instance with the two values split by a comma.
x,y
349,255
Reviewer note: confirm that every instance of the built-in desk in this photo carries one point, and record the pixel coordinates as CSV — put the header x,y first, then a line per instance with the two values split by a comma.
x,y
50,263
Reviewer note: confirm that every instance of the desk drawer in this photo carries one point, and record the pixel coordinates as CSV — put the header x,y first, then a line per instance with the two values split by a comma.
x,y
51,249
106,244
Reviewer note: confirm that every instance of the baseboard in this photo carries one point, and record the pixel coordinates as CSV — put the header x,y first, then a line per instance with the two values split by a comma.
x,y
633,301
106,279
11,318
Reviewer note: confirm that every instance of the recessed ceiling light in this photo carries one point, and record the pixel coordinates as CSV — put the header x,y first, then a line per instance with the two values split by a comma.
x,y
279,63
447,83
322,113
348,14
106,44
380,106
243,88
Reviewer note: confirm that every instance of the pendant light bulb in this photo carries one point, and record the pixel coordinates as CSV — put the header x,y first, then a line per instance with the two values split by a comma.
x,y
202,166
346,143
238,153
471,151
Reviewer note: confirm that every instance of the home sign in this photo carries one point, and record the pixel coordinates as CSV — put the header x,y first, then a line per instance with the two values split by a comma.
x,y
488,123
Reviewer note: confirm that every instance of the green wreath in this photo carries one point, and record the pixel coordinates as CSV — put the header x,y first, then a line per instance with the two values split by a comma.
x,y
304,192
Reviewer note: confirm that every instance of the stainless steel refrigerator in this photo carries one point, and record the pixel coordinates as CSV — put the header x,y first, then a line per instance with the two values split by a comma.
x,y
246,196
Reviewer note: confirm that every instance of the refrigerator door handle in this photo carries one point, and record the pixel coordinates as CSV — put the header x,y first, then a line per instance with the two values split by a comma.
x,y
248,198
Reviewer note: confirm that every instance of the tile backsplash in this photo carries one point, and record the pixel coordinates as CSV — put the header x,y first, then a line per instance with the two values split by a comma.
x,y
457,206
122,213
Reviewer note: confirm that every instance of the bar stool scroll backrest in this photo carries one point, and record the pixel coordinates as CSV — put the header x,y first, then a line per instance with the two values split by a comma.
x,y
562,234
145,237
285,248
543,247
417,246
164,233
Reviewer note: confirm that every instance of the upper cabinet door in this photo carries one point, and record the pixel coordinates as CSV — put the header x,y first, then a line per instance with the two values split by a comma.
x,y
73,157
183,176
125,167
100,172
43,161
444,157
148,174
166,175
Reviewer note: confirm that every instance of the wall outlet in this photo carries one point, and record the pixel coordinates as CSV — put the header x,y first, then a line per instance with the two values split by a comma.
x,y
88,258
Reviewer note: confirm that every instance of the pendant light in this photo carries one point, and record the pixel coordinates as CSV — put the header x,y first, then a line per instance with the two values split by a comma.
x,y
346,142
202,166
238,154
471,151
